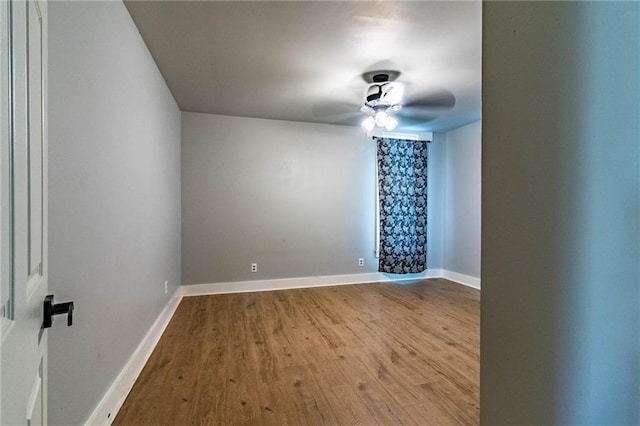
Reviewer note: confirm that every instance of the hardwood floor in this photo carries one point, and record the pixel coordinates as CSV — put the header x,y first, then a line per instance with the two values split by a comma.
x,y
367,354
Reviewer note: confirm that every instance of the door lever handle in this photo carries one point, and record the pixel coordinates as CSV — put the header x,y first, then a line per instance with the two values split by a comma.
x,y
51,309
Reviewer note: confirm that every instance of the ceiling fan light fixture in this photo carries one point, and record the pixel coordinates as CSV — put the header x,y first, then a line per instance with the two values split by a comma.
x,y
391,123
381,118
367,110
369,123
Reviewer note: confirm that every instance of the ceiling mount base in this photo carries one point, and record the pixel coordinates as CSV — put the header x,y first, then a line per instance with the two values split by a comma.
x,y
380,76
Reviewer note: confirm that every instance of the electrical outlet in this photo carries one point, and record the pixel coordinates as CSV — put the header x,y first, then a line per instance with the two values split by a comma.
x,y
166,287
361,262
254,267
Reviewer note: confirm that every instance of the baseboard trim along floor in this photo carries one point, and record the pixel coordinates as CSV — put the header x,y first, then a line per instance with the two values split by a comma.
x,y
108,407
112,401
463,279
304,282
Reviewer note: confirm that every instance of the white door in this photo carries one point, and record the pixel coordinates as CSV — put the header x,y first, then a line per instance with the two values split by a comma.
x,y
23,171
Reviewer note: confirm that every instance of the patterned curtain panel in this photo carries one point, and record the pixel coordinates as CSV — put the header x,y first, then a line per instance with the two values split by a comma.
x,y
402,193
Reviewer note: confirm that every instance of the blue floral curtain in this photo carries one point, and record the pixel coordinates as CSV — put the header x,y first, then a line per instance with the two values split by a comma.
x,y
402,194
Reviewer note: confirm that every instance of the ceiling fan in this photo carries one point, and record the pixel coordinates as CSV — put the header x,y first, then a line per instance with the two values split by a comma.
x,y
389,100
382,100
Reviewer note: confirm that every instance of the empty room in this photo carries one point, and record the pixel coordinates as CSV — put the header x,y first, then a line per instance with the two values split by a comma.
x,y
320,213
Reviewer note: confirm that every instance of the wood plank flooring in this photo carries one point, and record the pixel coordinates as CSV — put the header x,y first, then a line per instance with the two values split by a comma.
x,y
368,354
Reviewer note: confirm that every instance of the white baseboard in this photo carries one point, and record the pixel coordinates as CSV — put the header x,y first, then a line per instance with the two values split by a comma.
x,y
462,279
304,282
108,407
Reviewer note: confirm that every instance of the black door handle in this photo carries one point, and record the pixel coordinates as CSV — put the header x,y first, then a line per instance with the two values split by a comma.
x,y
51,309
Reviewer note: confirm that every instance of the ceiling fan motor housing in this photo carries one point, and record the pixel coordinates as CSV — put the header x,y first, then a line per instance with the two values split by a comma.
x,y
384,93
380,78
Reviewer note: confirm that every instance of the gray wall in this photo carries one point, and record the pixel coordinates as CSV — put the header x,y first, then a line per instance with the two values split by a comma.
x,y
114,206
296,198
462,179
435,201
560,213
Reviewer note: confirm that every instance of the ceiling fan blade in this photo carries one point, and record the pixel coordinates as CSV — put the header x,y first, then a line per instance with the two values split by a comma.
x,y
433,99
409,123
426,106
350,120
421,111
325,109
344,113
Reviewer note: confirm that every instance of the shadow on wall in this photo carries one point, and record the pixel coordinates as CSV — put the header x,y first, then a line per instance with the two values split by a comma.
x,y
560,320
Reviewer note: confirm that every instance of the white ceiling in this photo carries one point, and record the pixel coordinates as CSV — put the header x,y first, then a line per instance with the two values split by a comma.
x,y
302,61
